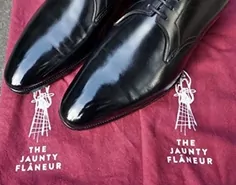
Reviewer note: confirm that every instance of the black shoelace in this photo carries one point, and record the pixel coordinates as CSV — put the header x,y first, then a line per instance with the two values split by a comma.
x,y
157,8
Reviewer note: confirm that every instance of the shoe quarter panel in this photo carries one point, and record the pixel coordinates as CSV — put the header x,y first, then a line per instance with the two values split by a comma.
x,y
195,17
186,22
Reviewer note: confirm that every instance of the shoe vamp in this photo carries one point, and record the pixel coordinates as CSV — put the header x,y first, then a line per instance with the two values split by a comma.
x,y
128,68
54,34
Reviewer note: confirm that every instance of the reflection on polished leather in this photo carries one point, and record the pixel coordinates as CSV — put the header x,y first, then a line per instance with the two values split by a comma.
x,y
141,59
59,36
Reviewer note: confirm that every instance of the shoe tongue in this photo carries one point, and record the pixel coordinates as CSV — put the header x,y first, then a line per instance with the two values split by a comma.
x,y
156,3
140,5
137,7
101,4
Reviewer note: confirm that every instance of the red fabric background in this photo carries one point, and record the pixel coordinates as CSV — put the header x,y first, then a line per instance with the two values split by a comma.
x,y
132,150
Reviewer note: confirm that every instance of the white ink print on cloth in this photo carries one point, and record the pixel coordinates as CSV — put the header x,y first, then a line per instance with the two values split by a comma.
x,y
40,125
185,118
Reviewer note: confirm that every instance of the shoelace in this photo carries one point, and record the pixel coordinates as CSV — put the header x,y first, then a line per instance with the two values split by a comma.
x,y
162,3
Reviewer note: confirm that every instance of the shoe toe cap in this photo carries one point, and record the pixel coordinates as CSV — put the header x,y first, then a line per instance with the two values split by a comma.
x,y
82,115
20,77
29,67
17,79
76,117
81,110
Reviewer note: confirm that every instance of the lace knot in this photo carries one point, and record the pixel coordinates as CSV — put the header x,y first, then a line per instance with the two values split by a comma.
x,y
158,6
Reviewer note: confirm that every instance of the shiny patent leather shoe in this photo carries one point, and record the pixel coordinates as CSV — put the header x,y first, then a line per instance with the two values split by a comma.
x,y
140,60
60,33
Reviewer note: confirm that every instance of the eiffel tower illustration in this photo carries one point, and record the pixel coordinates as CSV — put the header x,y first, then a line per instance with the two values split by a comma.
x,y
40,125
185,118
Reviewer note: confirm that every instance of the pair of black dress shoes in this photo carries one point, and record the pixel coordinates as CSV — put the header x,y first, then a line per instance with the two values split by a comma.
x,y
133,51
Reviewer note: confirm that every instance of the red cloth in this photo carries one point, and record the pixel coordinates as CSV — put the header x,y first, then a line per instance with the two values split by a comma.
x,y
135,150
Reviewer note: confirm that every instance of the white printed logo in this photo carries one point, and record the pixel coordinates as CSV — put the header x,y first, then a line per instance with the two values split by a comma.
x,y
40,125
187,151
185,119
40,158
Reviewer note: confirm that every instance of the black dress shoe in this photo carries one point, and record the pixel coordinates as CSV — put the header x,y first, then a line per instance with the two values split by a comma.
x,y
60,33
140,60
